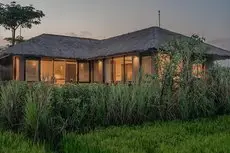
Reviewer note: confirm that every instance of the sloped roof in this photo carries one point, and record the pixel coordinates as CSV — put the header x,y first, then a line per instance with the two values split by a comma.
x,y
55,46
83,48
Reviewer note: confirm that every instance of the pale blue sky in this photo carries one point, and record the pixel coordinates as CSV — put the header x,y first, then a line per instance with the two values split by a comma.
x,y
106,18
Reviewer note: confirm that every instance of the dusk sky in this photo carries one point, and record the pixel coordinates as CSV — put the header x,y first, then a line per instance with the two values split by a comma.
x,y
105,18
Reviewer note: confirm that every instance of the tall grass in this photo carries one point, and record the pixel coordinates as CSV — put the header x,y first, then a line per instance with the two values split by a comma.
x,y
12,101
37,110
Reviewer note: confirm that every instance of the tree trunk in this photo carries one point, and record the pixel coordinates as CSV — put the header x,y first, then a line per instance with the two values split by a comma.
x,y
13,37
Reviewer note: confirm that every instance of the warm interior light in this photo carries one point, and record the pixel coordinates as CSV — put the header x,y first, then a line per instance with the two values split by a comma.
x,y
33,63
81,65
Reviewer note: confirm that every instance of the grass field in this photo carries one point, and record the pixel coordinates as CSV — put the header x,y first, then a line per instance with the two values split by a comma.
x,y
14,143
200,136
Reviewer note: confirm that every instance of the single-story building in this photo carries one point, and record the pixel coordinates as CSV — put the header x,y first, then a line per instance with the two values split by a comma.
x,y
61,59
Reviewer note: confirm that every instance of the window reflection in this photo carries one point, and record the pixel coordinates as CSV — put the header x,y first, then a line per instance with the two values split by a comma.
x,y
84,72
32,73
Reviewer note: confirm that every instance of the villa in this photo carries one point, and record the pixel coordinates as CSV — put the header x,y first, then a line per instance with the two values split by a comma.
x,y
62,59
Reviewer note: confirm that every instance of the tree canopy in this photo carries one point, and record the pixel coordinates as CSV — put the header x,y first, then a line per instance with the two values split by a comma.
x,y
13,15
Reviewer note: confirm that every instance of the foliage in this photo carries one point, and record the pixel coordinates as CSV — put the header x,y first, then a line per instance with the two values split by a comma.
x,y
46,112
15,143
37,110
13,15
12,101
17,40
206,135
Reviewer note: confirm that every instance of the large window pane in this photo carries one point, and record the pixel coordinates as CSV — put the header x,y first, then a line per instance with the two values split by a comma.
x,y
108,70
59,72
198,70
118,71
147,64
84,72
136,66
98,71
47,71
128,68
71,71
32,73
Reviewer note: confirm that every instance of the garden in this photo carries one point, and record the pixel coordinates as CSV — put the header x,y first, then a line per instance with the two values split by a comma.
x,y
173,111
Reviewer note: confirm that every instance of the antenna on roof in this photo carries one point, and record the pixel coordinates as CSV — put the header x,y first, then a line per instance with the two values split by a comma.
x,y
159,17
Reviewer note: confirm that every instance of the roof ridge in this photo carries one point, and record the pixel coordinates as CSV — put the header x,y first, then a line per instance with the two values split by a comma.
x,y
135,31
59,35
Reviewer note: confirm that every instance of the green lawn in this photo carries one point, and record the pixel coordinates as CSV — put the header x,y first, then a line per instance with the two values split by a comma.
x,y
14,143
200,136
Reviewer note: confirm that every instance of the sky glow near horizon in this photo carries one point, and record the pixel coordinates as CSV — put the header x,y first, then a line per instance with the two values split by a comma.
x,y
106,18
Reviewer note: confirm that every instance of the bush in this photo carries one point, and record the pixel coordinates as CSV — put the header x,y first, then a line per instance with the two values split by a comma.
x,y
12,101
37,111
206,135
14,143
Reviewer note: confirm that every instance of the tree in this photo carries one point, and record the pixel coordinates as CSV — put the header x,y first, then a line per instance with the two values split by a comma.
x,y
13,15
17,40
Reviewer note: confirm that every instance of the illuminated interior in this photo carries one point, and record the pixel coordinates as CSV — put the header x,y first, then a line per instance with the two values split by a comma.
x,y
136,67
128,68
71,71
146,65
108,70
59,72
198,70
98,71
47,70
32,72
83,71
118,70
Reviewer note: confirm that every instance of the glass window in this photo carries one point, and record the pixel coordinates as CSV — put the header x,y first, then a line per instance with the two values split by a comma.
x,y
71,71
118,69
136,66
98,71
128,68
147,64
59,72
108,70
198,70
83,72
32,73
47,71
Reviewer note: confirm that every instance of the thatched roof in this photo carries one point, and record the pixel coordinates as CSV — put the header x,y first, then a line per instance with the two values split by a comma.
x,y
83,48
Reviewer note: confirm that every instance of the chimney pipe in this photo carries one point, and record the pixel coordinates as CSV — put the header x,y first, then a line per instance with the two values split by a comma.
x,y
159,18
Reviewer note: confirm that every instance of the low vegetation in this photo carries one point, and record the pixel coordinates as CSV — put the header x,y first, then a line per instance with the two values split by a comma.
x,y
200,136
14,143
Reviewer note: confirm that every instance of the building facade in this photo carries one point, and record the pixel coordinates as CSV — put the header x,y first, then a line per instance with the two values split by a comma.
x,y
62,59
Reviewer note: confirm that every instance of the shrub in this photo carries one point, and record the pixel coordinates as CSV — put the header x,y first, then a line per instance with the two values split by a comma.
x,y
37,111
12,101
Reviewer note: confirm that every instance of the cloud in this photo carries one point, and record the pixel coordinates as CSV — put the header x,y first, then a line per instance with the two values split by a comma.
x,y
86,34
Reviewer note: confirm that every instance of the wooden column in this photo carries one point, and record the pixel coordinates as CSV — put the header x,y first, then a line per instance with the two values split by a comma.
x,y
112,62
39,69
89,71
103,71
77,71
